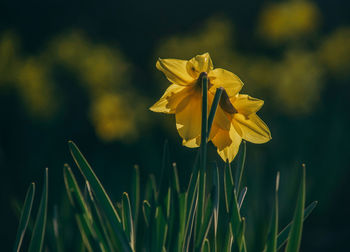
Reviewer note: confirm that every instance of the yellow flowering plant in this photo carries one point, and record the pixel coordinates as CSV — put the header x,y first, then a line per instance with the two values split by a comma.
x,y
235,117
203,217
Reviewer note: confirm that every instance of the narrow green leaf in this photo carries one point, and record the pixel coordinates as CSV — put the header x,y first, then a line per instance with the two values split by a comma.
x,y
206,246
135,195
37,240
25,215
271,245
128,222
228,186
239,171
160,230
146,208
191,212
237,224
216,201
294,237
82,215
99,222
242,196
55,226
101,195
182,220
175,179
283,235
204,228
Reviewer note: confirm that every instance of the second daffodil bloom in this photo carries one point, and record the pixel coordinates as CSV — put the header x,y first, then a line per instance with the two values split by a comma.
x,y
235,117
245,124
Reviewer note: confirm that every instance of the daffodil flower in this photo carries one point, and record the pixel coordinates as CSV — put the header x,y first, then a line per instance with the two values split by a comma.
x,y
184,96
245,124
184,99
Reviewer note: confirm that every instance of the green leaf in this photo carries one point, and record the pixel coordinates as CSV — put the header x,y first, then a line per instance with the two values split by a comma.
x,y
239,171
206,246
237,225
271,245
146,209
128,223
37,240
101,196
242,196
135,195
283,235
204,228
294,237
216,200
55,226
82,215
192,195
228,186
25,215
104,230
160,230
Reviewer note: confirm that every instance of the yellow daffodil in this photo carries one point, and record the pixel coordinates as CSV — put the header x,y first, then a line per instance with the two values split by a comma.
x,y
245,124
235,117
184,96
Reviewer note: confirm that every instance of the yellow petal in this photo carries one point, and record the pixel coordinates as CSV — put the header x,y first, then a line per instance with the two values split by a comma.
x,y
171,98
175,70
193,143
220,118
227,143
222,78
246,104
188,116
199,64
253,129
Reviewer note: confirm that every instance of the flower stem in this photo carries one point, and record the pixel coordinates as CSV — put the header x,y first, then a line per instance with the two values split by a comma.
x,y
203,156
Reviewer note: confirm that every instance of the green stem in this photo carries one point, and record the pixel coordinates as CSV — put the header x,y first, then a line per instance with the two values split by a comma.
x,y
203,155
204,138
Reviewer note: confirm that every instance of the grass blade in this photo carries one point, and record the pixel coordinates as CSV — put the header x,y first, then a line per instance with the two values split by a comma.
x,y
128,222
242,196
206,246
101,195
146,209
239,171
283,235
91,235
271,245
294,237
25,215
135,195
37,240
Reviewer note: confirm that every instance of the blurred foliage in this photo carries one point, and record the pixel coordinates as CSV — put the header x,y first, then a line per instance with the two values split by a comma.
x,y
102,71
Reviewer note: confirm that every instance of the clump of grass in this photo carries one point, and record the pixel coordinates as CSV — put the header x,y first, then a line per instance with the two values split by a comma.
x,y
206,216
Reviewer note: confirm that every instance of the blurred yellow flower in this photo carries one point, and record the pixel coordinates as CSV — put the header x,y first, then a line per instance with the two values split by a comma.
x,y
288,20
335,51
235,117
113,119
